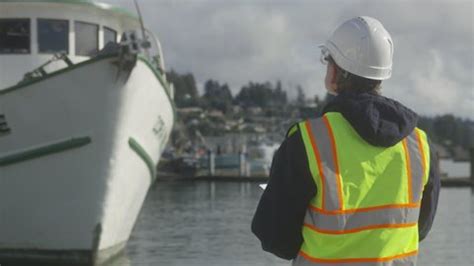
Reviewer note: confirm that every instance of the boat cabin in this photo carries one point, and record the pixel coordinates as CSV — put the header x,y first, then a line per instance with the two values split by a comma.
x,y
33,31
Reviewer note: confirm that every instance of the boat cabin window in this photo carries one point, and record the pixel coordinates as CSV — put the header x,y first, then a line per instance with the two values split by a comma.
x,y
87,38
110,35
53,36
14,36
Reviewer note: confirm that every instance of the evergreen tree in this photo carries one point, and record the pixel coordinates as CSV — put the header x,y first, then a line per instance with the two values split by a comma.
x,y
280,98
217,96
300,97
186,93
261,95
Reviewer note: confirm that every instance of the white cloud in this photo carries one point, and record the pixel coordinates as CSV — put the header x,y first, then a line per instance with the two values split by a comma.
x,y
434,91
237,41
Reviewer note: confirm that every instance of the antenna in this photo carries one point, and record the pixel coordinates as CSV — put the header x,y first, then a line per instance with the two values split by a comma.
x,y
146,44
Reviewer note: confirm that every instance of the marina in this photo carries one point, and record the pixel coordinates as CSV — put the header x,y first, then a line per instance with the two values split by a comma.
x,y
236,168
110,157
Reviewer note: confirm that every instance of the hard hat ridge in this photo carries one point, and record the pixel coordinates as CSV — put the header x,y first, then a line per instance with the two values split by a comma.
x,y
363,47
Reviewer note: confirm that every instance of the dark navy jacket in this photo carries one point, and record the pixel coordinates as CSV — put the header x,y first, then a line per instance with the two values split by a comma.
x,y
280,213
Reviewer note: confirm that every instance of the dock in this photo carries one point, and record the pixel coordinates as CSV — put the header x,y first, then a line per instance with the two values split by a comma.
x,y
445,182
239,172
461,181
457,182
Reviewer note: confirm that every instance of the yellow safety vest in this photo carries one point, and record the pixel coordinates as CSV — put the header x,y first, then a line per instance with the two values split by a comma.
x,y
366,209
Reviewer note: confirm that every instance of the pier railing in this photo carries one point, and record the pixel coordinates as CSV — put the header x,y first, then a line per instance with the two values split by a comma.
x,y
232,166
240,167
461,181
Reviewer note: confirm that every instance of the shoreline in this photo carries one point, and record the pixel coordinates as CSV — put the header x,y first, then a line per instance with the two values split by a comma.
x,y
166,177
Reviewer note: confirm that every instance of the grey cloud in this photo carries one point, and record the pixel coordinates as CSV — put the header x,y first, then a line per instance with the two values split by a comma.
x,y
239,41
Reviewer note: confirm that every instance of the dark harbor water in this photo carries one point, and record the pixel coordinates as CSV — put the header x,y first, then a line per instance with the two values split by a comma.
x,y
208,223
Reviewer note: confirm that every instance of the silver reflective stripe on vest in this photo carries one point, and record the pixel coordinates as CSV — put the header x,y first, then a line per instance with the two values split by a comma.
x,y
323,144
416,166
378,215
406,261
359,220
332,219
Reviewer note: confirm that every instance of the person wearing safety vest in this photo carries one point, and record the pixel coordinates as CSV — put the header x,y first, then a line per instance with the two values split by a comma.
x,y
358,185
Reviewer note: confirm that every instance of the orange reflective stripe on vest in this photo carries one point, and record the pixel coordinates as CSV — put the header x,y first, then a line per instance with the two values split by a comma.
x,y
408,259
356,220
329,219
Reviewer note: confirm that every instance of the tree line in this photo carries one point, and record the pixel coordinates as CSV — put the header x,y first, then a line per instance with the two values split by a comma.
x,y
218,95
447,130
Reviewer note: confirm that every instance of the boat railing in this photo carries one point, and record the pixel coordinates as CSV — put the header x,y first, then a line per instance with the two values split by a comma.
x,y
152,51
41,72
158,58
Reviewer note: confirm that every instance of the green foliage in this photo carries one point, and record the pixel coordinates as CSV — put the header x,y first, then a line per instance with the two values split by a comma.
x,y
186,93
217,96
280,97
449,130
261,95
301,97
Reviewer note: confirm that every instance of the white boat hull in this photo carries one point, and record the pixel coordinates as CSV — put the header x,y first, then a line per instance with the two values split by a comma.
x,y
79,158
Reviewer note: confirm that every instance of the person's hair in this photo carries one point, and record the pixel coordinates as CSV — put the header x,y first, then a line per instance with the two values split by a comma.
x,y
349,82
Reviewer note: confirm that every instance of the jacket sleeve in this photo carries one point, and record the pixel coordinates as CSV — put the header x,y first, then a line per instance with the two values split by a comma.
x,y
279,217
429,202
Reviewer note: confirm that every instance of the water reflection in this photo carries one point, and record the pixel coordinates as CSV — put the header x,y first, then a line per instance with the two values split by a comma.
x,y
198,223
208,224
450,240
120,260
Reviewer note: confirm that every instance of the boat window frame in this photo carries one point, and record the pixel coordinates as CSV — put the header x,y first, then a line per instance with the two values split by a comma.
x,y
75,37
105,28
30,33
68,42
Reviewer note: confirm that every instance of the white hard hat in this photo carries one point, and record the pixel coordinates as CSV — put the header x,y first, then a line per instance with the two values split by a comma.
x,y
363,47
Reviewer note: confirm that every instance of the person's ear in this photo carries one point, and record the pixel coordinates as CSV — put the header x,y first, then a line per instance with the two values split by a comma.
x,y
330,81
334,74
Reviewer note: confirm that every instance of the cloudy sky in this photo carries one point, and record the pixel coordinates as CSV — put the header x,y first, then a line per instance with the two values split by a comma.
x,y
258,40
